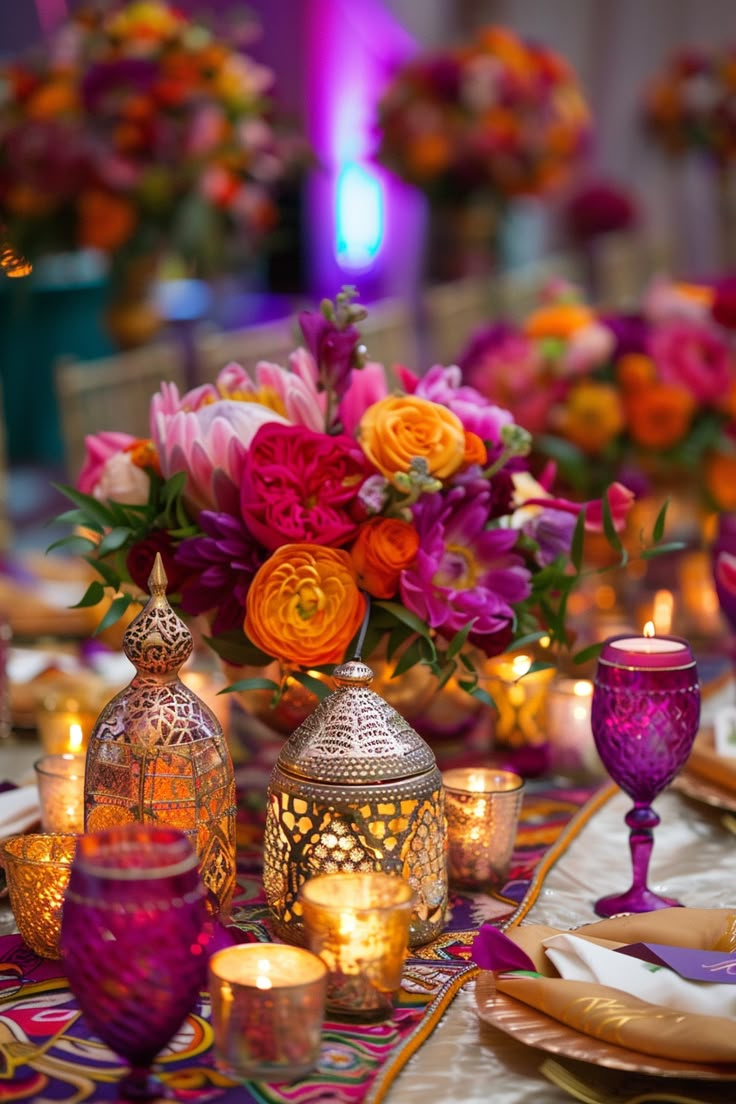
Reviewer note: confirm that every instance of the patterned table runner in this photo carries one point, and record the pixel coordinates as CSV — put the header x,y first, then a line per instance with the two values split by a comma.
x,y
47,1053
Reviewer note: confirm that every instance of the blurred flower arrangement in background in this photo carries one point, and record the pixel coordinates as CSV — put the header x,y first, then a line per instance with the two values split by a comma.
x,y
645,398
691,104
301,508
134,127
497,115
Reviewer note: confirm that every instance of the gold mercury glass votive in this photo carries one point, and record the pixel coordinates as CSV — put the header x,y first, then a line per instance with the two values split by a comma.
x,y
37,868
359,926
268,1003
482,806
60,780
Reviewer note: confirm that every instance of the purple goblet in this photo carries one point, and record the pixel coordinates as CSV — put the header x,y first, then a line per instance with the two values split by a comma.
x,y
645,715
134,942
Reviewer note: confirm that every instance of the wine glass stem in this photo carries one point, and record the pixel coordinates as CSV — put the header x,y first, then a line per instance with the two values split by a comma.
x,y
139,1083
642,820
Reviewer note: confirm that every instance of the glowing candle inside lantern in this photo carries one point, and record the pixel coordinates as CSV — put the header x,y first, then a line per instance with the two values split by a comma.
x,y
60,781
482,807
268,1004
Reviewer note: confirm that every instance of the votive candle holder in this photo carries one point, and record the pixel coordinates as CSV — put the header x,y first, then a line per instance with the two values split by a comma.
x,y
482,806
268,1003
359,926
37,868
60,780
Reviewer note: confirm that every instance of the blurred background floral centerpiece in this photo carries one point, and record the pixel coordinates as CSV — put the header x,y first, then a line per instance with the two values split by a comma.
x,y
476,127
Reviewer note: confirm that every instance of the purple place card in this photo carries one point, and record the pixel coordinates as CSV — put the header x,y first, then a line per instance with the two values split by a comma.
x,y
688,962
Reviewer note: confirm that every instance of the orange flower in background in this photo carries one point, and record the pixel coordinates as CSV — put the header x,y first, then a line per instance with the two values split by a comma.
x,y
593,416
106,221
403,428
144,454
52,99
383,548
720,479
475,450
659,416
559,320
304,605
635,370
428,154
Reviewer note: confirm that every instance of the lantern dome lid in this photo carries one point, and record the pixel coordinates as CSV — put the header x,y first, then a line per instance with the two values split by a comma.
x,y
354,737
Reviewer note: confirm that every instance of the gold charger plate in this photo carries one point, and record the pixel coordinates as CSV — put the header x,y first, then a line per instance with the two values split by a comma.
x,y
529,1026
705,791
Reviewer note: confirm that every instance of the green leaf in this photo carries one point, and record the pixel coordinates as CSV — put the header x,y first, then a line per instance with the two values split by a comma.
x,y
235,647
92,596
467,663
75,517
405,616
409,658
578,542
662,549
658,530
118,607
478,692
113,540
73,543
591,652
609,528
106,570
399,635
320,689
92,508
528,639
250,684
458,640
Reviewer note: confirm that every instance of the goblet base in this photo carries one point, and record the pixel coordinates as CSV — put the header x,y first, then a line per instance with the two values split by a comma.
x,y
142,1085
634,900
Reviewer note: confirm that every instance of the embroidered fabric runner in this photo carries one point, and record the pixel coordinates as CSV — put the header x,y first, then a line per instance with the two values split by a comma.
x,y
48,1054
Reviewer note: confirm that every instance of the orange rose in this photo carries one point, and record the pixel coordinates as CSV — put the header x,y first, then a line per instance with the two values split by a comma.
x,y
560,320
475,449
304,605
659,416
402,428
635,370
383,548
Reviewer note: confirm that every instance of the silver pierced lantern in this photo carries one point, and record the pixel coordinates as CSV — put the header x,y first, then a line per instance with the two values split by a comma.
x,y
157,754
356,789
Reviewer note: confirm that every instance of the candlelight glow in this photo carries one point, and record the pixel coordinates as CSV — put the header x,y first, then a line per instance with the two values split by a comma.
x,y
76,737
583,688
520,665
662,611
649,629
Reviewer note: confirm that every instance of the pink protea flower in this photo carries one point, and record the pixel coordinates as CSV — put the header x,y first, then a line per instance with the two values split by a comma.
x,y
209,443
692,356
298,486
464,572
99,448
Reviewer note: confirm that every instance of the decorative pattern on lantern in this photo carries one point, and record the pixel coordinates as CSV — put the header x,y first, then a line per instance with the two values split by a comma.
x,y
356,789
157,754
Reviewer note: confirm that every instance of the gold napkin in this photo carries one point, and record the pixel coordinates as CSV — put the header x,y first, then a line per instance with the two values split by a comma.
x,y
612,1015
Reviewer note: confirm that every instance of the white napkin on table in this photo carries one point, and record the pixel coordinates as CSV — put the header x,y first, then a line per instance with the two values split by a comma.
x,y
19,810
582,960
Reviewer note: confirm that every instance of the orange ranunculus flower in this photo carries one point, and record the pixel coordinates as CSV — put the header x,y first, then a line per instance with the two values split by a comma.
x,y
144,454
593,416
635,370
382,549
659,416
106,220
720,479
304,605
475,449
559,320
402,428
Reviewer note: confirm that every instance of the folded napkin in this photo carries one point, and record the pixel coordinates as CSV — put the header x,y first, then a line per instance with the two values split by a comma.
x,y
19,810
590,1002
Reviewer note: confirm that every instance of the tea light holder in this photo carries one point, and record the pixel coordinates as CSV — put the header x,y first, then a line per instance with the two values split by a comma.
x,y
268,1003
482,806
519,692
567,724
64,727
60,780
37,868
359,926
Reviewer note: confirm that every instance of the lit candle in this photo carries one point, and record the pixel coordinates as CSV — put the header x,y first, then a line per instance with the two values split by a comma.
x,y
37,869
60,781
359,926
519,694
268,1004
647,651
482,807
66,729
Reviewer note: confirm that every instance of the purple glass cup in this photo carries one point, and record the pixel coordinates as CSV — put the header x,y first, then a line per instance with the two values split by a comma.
x,y
645,716
134,942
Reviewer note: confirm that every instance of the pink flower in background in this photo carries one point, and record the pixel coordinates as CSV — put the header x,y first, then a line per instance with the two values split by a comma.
x,y
666,301
301,486
691,355
588,348
99,448
367,386
506,366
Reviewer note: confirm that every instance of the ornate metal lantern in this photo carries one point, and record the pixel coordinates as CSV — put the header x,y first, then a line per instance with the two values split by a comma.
x,y
356,789
157,754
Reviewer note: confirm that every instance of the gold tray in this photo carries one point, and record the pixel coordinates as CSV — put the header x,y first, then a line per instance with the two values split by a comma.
x,y
528,1025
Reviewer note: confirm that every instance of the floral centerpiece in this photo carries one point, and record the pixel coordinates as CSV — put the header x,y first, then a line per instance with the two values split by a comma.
x,y
311,511
497,115
690,104
639,397
132,128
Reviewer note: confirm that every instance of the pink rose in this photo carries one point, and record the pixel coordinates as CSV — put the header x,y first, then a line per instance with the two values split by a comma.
x,y
301,486
122,480
99,448
692,356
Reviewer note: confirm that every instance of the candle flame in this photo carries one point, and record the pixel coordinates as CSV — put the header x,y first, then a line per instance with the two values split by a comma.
x,y
476,783
347,922
520,665
583,688
75,737
649,629
263,981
